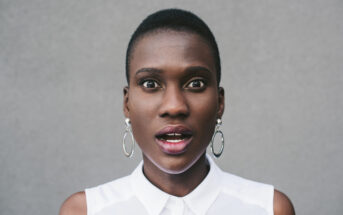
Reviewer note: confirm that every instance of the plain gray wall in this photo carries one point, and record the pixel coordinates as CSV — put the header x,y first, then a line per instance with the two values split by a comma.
x,y
61,80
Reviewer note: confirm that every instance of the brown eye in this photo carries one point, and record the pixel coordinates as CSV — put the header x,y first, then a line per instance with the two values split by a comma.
x,y
196,84
150,84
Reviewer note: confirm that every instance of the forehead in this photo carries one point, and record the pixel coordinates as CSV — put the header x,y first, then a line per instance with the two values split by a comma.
x,y
169,48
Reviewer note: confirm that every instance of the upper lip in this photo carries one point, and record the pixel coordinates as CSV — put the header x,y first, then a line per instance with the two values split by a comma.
x,y
178,129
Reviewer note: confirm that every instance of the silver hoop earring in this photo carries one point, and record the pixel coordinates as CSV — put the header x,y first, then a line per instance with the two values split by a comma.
x,y
128,131
218,131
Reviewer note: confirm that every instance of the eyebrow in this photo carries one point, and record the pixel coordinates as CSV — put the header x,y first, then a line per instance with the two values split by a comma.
x,y
188,69
149,70
198,69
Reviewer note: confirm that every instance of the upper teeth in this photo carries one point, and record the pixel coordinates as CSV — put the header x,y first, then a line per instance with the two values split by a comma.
x,y
174,141
174,134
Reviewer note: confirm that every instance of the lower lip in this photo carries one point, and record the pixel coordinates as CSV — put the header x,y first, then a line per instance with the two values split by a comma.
x,y
174,148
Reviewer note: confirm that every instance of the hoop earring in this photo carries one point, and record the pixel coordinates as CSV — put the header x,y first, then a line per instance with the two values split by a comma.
x,y
128,131
218,131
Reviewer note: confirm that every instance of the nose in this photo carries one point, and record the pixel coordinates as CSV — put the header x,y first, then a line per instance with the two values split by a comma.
x,y
174,103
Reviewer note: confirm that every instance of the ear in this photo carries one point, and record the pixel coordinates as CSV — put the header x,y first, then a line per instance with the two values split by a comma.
x,y
221,102
126,102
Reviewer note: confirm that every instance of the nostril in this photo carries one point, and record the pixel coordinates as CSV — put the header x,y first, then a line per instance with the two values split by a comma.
x,y
174,107
174,115
174,103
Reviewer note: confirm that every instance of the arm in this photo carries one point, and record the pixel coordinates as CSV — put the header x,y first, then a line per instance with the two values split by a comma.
x,y
282,204
75,205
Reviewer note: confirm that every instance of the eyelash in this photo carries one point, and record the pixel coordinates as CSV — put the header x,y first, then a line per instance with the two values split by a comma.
x,y
202,83
144,83
153,82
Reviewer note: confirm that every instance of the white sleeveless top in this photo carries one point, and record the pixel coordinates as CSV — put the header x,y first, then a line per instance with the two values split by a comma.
x,y
218,194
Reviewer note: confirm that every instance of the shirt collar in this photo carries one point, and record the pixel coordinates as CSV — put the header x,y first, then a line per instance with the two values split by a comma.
x,y
199,200
150,196
203,196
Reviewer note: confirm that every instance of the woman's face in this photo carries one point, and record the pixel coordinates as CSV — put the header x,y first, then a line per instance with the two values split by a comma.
x,y
173,100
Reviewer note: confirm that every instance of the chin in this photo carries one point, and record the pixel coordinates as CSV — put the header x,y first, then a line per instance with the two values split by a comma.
x,y
175,170
175,165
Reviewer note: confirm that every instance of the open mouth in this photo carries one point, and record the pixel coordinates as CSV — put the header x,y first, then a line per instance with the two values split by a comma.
x,y
174,139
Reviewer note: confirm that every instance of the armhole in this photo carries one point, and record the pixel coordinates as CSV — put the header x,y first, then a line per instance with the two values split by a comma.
x,y
271,200
89,201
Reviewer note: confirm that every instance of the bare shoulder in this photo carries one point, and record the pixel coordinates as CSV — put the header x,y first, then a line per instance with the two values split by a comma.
x,y
75,205
282,204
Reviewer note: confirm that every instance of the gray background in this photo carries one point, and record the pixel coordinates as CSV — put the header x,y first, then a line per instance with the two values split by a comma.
x,y
61,80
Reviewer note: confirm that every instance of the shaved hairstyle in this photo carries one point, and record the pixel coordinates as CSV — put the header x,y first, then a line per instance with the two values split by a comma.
x,y
177,20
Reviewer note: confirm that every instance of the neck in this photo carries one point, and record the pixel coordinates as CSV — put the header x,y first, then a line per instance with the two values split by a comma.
x,y
177,184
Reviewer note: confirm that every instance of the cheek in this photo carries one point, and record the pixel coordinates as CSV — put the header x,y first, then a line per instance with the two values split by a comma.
x,y
142,104
143,110
205,106
204,110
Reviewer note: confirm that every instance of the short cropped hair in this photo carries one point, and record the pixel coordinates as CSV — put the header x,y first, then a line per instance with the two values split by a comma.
x,y
178,20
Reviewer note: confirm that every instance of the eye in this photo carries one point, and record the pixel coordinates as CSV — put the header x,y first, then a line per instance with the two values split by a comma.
x,y
150,84
196,84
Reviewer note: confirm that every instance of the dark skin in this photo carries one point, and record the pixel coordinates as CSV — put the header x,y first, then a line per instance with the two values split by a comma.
x,y
181,82
173,82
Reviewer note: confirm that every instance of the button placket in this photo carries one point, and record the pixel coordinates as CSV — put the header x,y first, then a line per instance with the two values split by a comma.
x,y
178,206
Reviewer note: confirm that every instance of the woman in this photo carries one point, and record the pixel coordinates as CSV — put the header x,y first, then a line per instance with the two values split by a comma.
x,y
173,105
